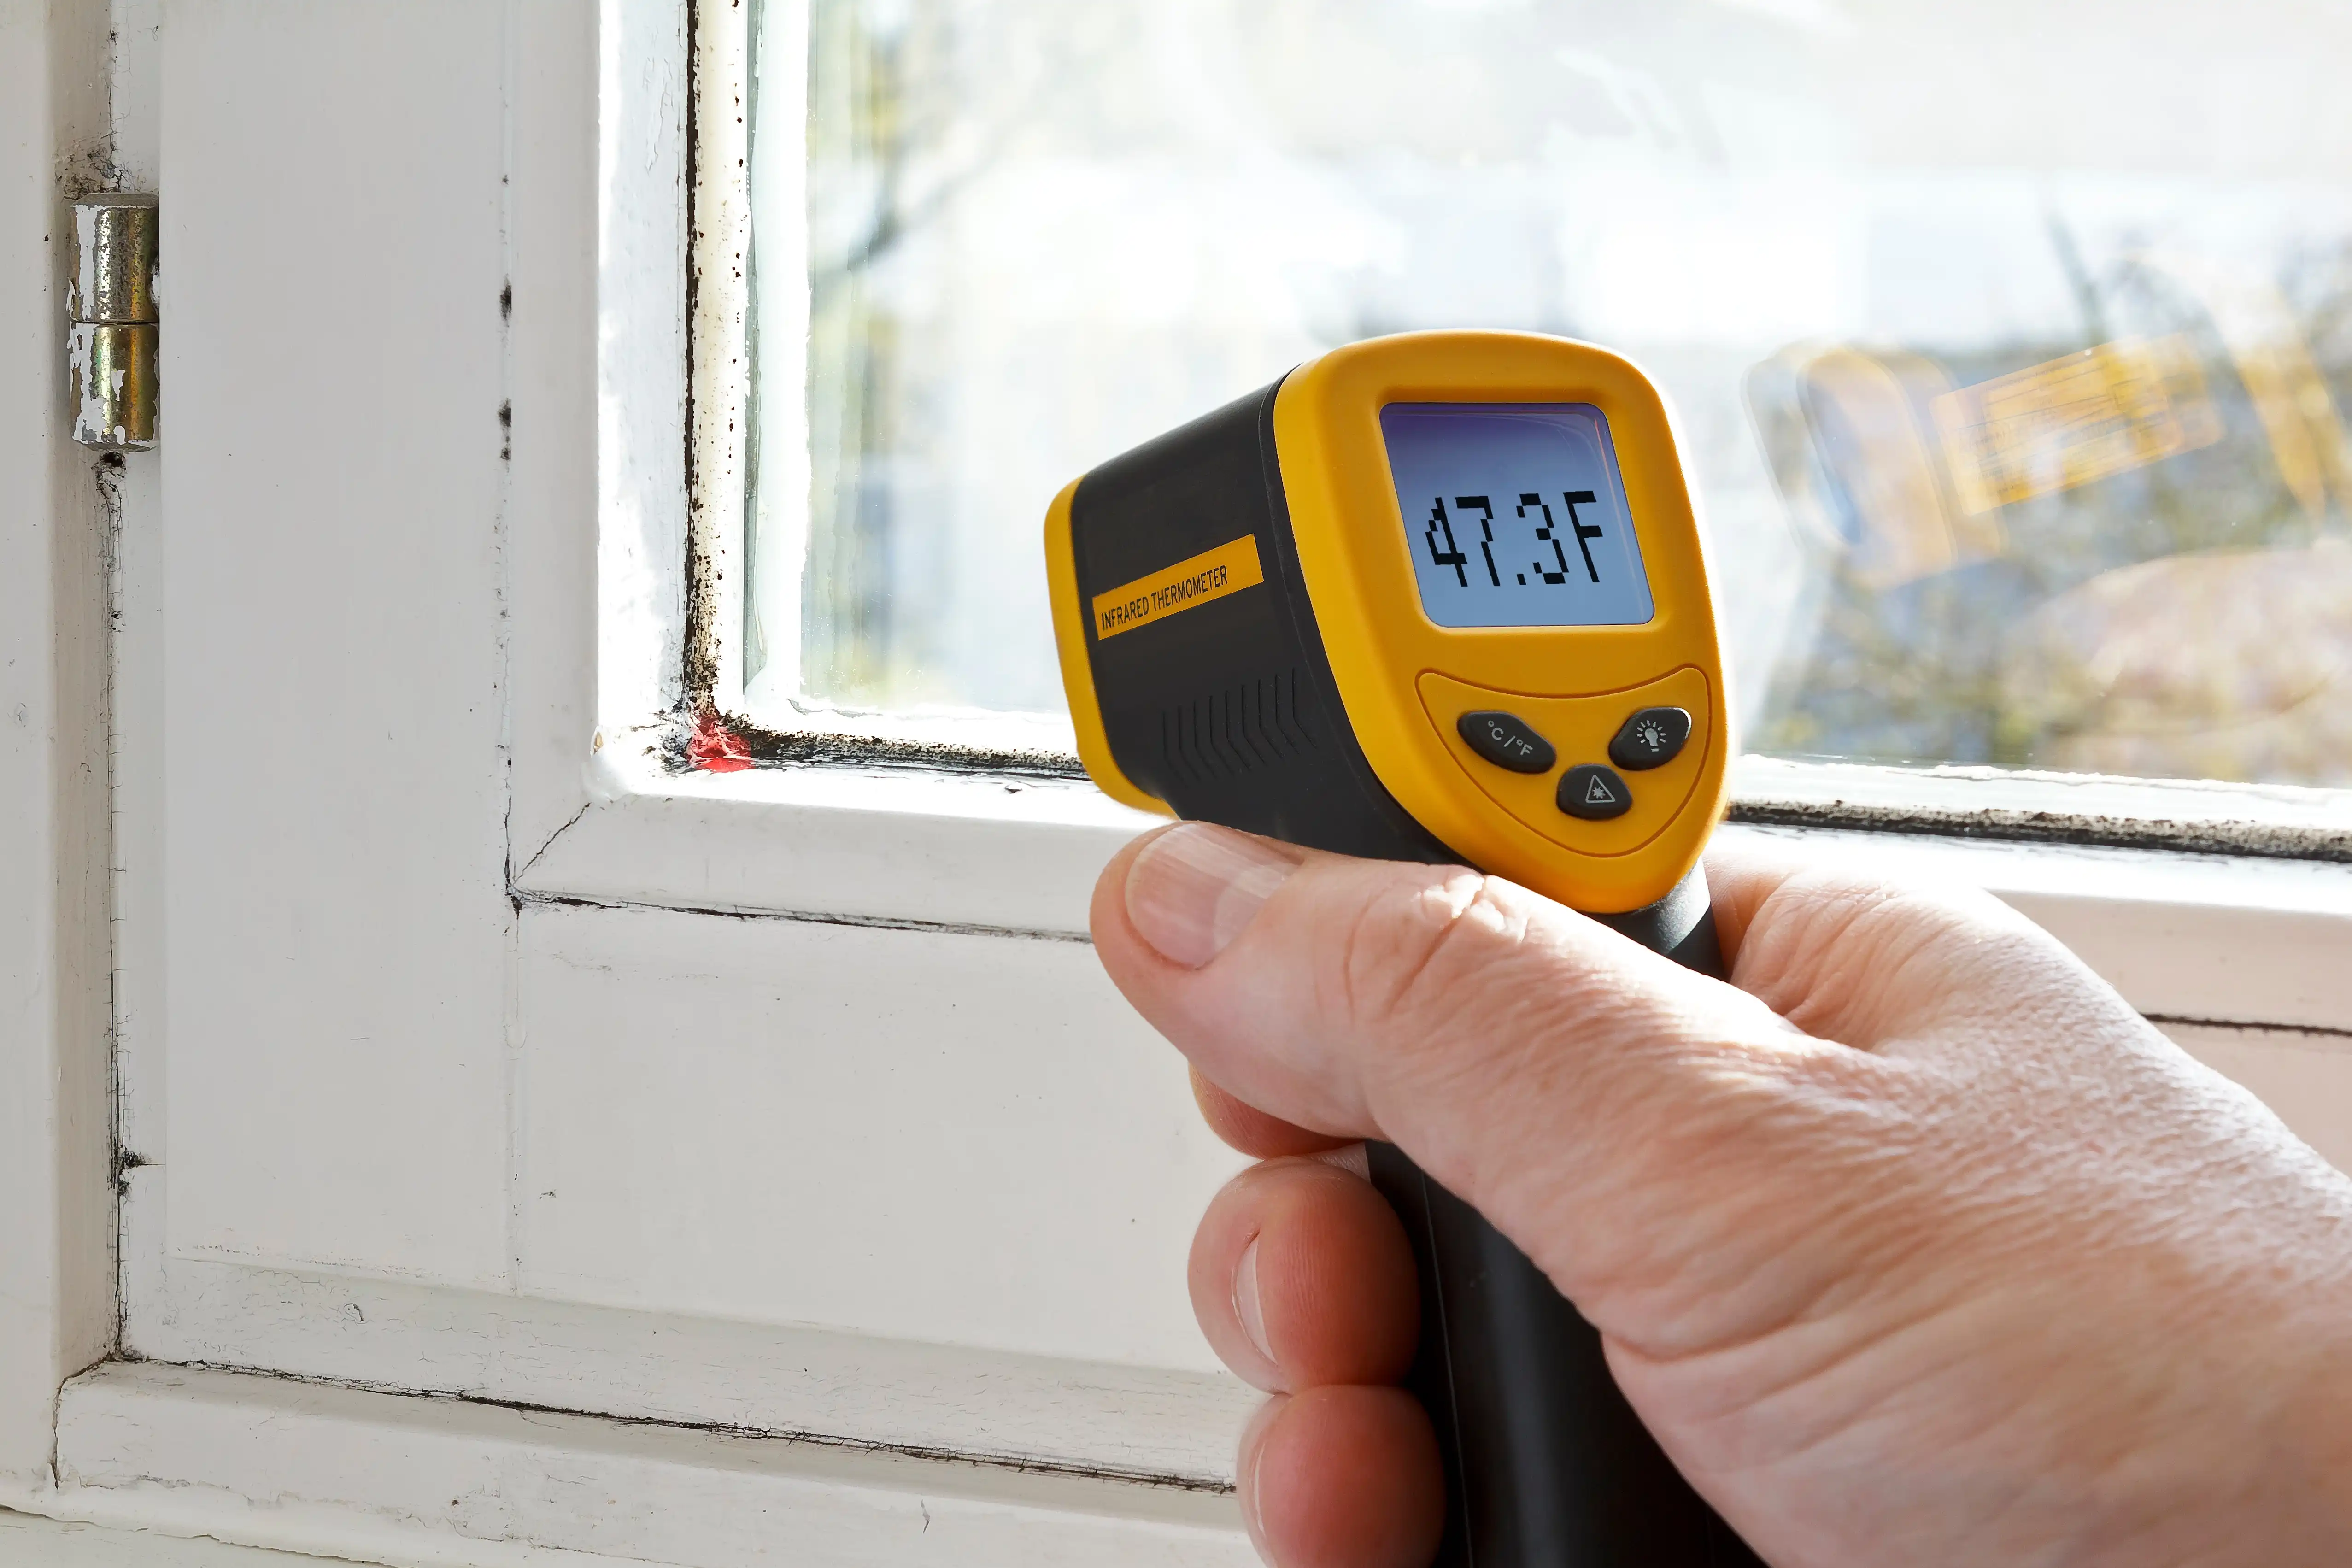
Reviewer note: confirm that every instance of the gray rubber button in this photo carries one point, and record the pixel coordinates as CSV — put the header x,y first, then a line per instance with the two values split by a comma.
x,y
1649,739
1508,740
1593,793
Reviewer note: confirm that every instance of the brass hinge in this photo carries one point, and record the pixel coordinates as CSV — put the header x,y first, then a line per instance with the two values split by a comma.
x,y
111,353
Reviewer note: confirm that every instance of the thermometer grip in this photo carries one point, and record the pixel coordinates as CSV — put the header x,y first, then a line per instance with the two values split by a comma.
x,y
1546,1464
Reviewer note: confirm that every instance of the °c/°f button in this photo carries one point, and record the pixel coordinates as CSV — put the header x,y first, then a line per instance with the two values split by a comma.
x,y
1507,741
1649,739
1593,793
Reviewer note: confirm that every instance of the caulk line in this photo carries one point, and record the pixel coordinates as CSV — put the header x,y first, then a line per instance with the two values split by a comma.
x,y
522,896
2247,1026
1026,1466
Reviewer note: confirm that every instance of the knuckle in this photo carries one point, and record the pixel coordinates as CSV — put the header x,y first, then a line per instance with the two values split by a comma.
x,y
1405,950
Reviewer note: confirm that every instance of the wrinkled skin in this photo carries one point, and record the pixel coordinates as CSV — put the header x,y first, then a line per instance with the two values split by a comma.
x,y
1913,1245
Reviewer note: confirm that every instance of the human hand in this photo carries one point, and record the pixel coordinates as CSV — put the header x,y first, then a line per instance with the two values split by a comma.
x,y
1913,1245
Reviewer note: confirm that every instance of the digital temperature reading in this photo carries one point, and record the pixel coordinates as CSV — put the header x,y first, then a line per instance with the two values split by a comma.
x,y
1516,514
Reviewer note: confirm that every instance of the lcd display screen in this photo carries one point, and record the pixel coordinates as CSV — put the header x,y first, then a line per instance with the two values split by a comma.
x,y
1514,514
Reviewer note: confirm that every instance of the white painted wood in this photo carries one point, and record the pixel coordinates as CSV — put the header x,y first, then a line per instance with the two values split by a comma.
x,y
1017,1289
407,1480
936,1398
336,918
138,684
30,1540
597,358
966,1140
638,232
56,1202
137,693
2281,819
961,1154
134,91
876,844
139,995
324,1209
556,337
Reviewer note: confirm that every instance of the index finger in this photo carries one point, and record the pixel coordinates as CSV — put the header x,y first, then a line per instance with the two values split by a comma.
x,y
1244,1127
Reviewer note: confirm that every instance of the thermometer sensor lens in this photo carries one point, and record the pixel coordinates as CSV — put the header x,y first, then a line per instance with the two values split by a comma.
x,y
1516,514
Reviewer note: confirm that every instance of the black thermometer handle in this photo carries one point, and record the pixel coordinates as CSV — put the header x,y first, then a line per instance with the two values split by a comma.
x,y
1546,1464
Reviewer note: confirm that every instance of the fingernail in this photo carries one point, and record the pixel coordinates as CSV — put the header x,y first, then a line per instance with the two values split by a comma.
x,y
1195,887
1252,1505
1352,1158
1245,1302
1252,1468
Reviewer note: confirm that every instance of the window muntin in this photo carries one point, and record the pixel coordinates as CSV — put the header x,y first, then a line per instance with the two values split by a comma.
x,y
2009,358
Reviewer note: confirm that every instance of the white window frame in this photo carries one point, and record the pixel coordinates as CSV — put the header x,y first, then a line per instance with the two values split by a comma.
x,y
954,846
2233,942
56,1264
965,847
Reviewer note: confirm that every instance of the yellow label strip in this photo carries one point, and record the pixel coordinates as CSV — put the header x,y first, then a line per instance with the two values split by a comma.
x,y
1211,574
2052,426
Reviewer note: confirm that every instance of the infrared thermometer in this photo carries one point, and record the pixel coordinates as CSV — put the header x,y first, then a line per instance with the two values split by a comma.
x,y
1440,598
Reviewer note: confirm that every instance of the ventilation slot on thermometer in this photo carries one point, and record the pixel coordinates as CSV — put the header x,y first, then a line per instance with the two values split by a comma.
x,y
1239,730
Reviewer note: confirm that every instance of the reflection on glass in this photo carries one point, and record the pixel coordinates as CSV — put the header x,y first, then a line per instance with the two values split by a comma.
x,y
2009,338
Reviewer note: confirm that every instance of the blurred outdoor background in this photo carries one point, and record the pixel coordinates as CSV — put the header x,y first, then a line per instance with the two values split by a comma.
x,y
2010,340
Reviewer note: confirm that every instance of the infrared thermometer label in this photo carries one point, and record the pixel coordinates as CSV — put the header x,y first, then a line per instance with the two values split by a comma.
x,y
1514,514
1211,574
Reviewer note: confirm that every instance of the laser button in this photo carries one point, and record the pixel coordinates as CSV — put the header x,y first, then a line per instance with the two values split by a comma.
x,y
1593,793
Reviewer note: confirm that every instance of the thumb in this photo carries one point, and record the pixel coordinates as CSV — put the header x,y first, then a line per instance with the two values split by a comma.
x,y
1535,1063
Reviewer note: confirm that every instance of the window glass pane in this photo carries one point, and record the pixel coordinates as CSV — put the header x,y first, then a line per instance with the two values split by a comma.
x,y
2009,339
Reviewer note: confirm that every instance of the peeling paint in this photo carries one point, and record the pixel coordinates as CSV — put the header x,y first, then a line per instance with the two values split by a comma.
x,y
85,279
111,367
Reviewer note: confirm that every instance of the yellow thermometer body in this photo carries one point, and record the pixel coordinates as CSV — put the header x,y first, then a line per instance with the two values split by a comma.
x,y
1439,597
1441,593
